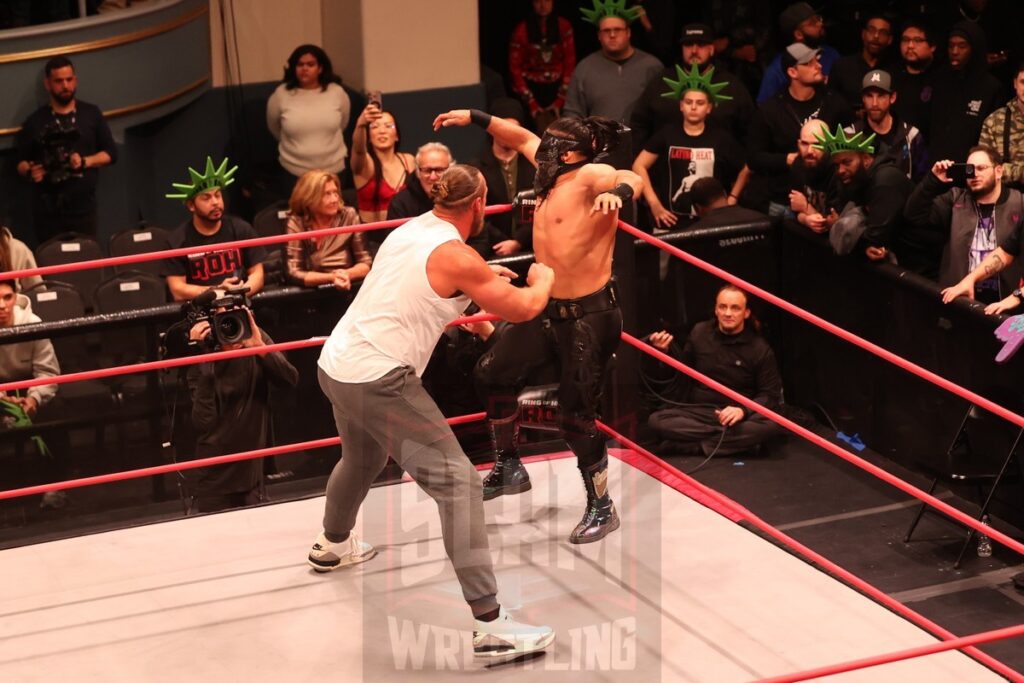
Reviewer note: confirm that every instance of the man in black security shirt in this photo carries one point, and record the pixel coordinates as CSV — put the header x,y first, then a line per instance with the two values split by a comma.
x,y
729,350
60,147
190,276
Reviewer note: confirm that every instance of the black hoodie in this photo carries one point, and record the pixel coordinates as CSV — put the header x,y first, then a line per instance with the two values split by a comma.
x,y
961,100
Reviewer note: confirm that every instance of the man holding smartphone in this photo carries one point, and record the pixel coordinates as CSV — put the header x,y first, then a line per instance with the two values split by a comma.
x,y
973,220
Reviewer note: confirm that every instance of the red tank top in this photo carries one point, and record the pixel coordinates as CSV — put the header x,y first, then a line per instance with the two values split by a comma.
x,y
364,195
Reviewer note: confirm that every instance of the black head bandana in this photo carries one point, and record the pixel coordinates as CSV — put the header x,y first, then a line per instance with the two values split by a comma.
x,y
549,160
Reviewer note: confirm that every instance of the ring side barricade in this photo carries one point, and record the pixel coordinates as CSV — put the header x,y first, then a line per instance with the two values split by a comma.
x,y
629,339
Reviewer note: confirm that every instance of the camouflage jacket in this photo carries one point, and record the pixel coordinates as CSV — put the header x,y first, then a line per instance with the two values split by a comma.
x,y
992,134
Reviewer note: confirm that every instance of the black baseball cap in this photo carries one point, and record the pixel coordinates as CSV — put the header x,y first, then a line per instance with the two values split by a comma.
x,y
793,16
702,34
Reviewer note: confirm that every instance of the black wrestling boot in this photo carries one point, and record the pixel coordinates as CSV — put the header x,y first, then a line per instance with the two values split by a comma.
x,y
600,518
508,476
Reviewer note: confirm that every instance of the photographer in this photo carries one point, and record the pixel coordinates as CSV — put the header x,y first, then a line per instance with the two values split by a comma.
x,y
60,147
231,401
967,207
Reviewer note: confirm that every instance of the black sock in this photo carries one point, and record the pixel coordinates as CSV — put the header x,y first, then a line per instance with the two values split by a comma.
x,y
337,538
490,616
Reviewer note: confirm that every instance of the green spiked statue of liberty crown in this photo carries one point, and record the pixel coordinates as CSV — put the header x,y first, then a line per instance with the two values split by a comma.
x,y
611,8
695,80
209,179
834,143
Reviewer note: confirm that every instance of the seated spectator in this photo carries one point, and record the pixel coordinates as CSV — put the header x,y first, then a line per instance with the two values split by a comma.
x,y
873,185
31,360
380,171
15,255
689,151
964,93
337,260
729,350
913,78
608,82
507,173
307,114
711,202
798,23
733,112
231,413
541,59
971,222
811,188
1003,131
896,141
190,276
771,145
848,73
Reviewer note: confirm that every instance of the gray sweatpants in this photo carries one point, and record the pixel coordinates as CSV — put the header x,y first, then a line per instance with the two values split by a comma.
x,y
395,416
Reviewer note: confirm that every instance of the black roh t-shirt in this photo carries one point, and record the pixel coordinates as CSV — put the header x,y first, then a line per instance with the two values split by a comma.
x,y
212,267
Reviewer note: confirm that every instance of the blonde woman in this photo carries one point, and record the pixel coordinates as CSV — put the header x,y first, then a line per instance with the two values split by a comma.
x,y
337,260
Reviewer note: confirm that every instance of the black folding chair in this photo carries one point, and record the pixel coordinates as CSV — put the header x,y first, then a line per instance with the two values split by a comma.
x,y
73,247
141,240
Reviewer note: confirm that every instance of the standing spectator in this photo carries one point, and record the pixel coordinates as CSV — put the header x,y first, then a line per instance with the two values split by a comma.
x,y
964,95
690,151
379,169
741,42
913,79
507,173
1000,22
971,221
875,186
608,82
652,111
338,260
895,140
541,59
1003,131
799,23
729,350
307,114
231,413
771,145
849,71
190,276
61,146
33,359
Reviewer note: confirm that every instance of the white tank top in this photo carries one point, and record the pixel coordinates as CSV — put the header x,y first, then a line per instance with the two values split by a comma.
x,y
397,317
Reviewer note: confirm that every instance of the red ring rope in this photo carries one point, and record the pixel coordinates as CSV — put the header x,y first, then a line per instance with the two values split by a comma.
x,y
821,442
112,261
852,579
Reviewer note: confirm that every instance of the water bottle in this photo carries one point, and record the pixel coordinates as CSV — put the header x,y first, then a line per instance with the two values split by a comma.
x,y
984,543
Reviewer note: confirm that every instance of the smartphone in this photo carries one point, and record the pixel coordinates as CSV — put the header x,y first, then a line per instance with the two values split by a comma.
x,y
959,173
376,98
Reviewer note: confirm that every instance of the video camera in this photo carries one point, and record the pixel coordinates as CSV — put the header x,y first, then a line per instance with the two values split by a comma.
x,y
228,317
55,147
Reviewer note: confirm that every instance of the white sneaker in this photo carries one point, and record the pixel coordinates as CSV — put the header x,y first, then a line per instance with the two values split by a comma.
x,y
504,639
326,556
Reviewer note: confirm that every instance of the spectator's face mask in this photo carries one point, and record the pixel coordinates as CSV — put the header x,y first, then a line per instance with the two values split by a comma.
x,y
549,160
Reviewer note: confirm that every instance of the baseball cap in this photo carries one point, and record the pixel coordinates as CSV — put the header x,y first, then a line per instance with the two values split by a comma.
x,y
697,33
798,53
793,16
877,79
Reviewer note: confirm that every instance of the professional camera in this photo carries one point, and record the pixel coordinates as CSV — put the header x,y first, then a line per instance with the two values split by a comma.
x,y
55,144
228,317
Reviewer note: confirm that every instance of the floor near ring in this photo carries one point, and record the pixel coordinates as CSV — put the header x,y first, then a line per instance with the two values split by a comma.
x,y
680,592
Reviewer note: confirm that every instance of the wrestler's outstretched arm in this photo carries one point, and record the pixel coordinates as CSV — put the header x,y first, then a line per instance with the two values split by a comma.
x,y
611,187
507,133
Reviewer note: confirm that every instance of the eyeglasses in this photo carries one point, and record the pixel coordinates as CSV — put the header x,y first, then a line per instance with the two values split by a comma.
x,y
379,125
916,40
612,31
438,170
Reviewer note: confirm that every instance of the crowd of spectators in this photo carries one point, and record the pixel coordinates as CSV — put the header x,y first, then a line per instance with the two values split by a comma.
x,y
902,141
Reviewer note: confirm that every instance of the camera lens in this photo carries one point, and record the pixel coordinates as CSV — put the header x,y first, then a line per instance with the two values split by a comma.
x,y
230,328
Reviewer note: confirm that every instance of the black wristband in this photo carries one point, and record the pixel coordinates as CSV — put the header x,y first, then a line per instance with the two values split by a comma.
x,y
480,118
623,191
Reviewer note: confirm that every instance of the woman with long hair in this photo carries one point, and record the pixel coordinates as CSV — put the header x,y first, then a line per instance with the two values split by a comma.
x,y
337,260
308,113
379,169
